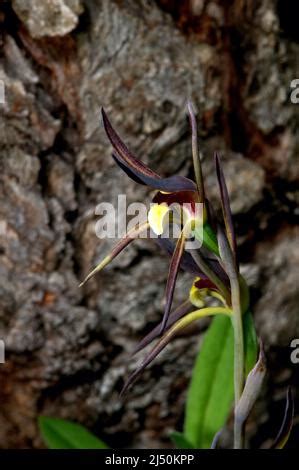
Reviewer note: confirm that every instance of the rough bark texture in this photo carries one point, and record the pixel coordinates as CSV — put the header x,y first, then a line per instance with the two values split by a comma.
x,y
68,350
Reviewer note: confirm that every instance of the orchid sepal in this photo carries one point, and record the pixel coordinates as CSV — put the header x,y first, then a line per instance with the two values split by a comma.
x,y
167,337
175,315
121,245
287,424
173,273
226,209
137,170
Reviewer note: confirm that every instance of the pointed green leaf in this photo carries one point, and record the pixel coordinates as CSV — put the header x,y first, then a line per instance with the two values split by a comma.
x,y
180,440
211,392
62,434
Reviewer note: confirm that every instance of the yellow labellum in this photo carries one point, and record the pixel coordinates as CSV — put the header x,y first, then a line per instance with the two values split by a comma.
x,y
197,296
156,217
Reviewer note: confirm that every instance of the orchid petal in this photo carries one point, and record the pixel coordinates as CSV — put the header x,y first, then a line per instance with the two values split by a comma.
x,y
226,254
157,216
195,153
187,263
172,276
173,317
201,289
127,170
286,427
196,296
123,243
187,198
200,283
168,336
226,210
138,170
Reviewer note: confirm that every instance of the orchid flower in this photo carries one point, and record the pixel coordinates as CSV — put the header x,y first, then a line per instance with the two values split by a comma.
x,y
214,265
183,195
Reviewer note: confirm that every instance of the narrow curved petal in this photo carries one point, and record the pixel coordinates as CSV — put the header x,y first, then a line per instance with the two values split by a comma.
x,y
123,243
123,152
127,170
286,427
195,153
178,313
168,336
138,170
227,256
187,262
226,210
172,277
169,184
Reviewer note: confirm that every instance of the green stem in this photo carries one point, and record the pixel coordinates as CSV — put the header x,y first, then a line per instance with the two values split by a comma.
x,y
238,356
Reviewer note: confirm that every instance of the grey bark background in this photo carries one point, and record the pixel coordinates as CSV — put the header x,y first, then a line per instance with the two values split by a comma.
x,y
68,350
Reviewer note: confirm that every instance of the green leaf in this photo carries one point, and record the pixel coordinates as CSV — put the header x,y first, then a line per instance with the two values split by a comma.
x,y
211,391
180,441
62,434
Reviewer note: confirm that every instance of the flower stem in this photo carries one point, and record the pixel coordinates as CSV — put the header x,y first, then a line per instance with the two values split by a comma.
x,y
238,357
